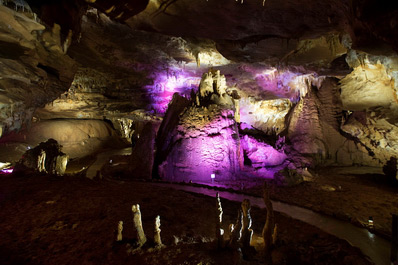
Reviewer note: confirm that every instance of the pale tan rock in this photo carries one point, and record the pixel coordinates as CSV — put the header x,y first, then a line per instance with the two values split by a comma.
x,y
219,230
138,224
41,161
156,238
119,236
247,232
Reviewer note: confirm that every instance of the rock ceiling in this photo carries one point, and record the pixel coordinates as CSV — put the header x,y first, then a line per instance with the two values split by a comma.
x,y
125,59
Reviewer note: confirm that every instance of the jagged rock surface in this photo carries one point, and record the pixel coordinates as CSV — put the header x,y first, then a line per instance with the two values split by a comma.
x,y
205,139
33,67
54,162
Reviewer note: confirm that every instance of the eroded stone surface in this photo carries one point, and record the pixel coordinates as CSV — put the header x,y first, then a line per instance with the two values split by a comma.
x,y
34,69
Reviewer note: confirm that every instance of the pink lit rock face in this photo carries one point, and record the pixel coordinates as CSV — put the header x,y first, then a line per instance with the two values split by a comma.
x,y
166,84
261,154
7,171
205,138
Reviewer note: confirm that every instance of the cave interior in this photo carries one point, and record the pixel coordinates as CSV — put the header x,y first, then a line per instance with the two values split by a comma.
x,y
106,105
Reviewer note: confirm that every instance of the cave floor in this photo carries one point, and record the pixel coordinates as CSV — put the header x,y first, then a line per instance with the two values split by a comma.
x,y
72,220
349,193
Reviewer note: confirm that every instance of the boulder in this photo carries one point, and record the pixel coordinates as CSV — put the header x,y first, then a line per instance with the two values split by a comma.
x,y
47,157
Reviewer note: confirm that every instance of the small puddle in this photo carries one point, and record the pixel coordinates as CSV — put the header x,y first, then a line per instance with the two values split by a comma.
x,y
372,245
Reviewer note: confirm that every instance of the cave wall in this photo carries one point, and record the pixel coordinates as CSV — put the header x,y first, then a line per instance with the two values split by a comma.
x,y
34,67
328,82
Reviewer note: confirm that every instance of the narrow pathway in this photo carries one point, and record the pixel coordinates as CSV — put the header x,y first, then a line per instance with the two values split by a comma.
x,y
374,246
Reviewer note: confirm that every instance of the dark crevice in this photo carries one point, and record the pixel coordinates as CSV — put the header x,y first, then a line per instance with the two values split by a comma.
x,y
49,70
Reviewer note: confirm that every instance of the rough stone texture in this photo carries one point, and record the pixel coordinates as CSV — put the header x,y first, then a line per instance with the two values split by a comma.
x,y
376,134
54,162
288,177
261,154
305,131
142,155
265,115
127,76
205,139
235,20
315,129
33,67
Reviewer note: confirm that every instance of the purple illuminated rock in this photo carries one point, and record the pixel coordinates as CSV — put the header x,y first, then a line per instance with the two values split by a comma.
x,y
200,137
261,154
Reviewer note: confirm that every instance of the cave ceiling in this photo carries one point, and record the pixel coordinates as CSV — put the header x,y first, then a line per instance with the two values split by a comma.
x,y
112,58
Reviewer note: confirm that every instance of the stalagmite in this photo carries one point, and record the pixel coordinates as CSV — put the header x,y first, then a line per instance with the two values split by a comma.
x,y
236,231
41,161
219,230
247,232
156,237
269,232
275,234
138,224
119,236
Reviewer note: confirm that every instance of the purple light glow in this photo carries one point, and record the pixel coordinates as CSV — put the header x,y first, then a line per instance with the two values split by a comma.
x,y
7,170
167,83
262,154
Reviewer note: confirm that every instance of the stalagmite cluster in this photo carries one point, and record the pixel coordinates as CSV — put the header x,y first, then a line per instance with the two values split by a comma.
x,y
141,239
239,235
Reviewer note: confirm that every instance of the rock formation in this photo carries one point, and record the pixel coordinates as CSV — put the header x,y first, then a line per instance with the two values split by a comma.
x,y
202,138
247,232
156,238
34,68
141,238
269,230
142,155
119,236
46,157
219,230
